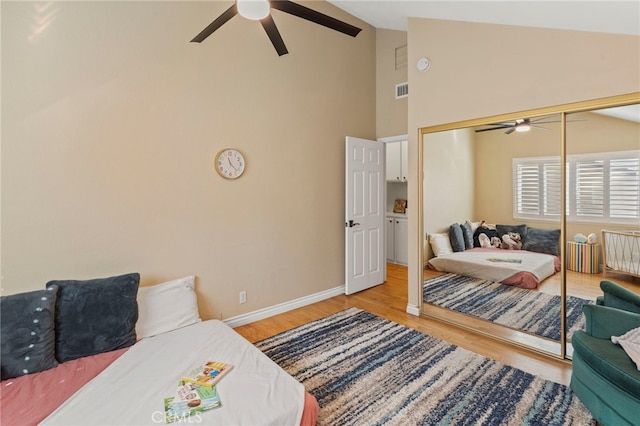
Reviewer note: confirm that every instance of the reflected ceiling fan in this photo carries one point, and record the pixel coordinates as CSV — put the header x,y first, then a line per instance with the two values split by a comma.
x,y
260,10
521,125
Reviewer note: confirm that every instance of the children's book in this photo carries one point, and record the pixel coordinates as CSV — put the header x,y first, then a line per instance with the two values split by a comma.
x,y
202,399
190,391
209,374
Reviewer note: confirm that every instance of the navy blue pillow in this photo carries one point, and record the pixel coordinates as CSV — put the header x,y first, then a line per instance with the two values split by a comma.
x,y
27,336
95,316
456,238
543,241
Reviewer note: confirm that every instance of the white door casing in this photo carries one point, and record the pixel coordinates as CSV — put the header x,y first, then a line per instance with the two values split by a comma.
x,y
365,264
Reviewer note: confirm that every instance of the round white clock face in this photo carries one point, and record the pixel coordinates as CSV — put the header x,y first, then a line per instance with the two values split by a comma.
x,y
230,163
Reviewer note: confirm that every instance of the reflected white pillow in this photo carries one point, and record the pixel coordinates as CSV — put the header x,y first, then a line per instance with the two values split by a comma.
x,y
440,244
166,307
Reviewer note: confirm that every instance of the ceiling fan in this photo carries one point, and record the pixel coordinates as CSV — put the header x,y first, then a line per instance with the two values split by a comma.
x,y
520,125
260,10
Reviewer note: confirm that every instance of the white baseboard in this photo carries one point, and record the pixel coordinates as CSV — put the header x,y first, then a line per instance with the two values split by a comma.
x,y
283,307
413,309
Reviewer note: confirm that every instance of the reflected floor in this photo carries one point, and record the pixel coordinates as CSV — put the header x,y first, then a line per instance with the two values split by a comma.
x,y
584,286
529,311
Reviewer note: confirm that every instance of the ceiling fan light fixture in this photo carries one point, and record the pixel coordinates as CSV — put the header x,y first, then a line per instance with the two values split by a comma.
x,y
522,127
253,9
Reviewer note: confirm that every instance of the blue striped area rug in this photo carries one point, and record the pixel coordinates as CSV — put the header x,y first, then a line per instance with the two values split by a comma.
x,y
523,309
366,370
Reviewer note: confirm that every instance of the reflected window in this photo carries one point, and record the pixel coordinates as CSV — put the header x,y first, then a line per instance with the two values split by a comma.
x,y
537,188
602,187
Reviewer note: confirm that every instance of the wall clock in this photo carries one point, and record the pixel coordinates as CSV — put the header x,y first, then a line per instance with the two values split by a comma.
x,y
230,163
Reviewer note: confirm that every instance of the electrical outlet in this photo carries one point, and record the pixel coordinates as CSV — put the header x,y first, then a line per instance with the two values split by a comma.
x,y
242,296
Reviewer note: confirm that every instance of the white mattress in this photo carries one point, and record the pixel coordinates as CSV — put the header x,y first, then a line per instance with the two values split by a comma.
x,y
131,391
476,263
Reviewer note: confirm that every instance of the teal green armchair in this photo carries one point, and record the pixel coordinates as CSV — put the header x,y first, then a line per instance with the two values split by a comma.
x,y
604,378
619,297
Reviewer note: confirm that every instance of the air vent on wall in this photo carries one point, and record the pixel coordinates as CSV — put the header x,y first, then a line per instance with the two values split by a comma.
x,y
401,57
402,90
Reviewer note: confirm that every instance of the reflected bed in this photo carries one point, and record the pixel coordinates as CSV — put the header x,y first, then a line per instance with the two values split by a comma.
x,y
519,268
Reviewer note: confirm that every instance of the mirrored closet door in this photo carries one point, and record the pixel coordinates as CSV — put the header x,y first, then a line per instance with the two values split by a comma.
x,y
498,225
603,203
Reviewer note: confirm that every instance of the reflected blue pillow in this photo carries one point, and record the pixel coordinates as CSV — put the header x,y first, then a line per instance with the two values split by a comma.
x,y
543,241
467,234
456,238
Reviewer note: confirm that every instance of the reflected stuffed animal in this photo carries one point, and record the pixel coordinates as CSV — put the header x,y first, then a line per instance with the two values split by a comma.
x,y
486,242
484,235
511,241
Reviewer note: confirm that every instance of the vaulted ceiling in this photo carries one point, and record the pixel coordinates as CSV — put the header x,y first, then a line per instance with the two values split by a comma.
x,y
621,17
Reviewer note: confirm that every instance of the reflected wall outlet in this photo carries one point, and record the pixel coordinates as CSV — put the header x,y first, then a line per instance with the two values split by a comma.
x,y
242,296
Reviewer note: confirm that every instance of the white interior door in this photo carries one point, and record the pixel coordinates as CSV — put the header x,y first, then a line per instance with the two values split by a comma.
x,y
364,214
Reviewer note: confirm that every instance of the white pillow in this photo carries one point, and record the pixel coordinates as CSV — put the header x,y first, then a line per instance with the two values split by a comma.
x,y
440,244
167,306
630,342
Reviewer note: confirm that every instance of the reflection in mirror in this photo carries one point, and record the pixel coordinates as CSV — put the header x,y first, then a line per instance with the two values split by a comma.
x,y
571,190
492,199
603,201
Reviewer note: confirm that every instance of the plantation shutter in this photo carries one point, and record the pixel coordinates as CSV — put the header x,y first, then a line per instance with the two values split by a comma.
x,y
624,188
590,188
528,189
552,186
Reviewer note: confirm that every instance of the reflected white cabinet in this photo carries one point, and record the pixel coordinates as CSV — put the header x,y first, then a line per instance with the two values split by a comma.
x,y
397,161
397,236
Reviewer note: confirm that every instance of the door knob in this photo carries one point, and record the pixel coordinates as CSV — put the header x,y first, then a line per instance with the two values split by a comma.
x,y
351,224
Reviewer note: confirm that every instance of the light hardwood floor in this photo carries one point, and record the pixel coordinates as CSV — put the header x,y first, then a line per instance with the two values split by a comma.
x,y
389,300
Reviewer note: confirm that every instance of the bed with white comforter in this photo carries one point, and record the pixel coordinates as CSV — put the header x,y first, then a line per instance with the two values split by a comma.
x,y
132,389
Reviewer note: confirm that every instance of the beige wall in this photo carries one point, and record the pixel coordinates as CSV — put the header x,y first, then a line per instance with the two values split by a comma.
x,y
449,200
479,70
110,123
391,113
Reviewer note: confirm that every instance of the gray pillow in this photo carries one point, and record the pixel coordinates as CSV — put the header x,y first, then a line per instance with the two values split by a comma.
x,y
467,234
456,238
95,316
518,229
27,337
543,241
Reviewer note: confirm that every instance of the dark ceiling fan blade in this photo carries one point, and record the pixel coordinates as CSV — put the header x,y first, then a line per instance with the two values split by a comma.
x,y
544,120
313,16
506,126
511,130
274,35
219,21
557,121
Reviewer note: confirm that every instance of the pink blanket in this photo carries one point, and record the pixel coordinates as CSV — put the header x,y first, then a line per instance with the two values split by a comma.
x,y
48,389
